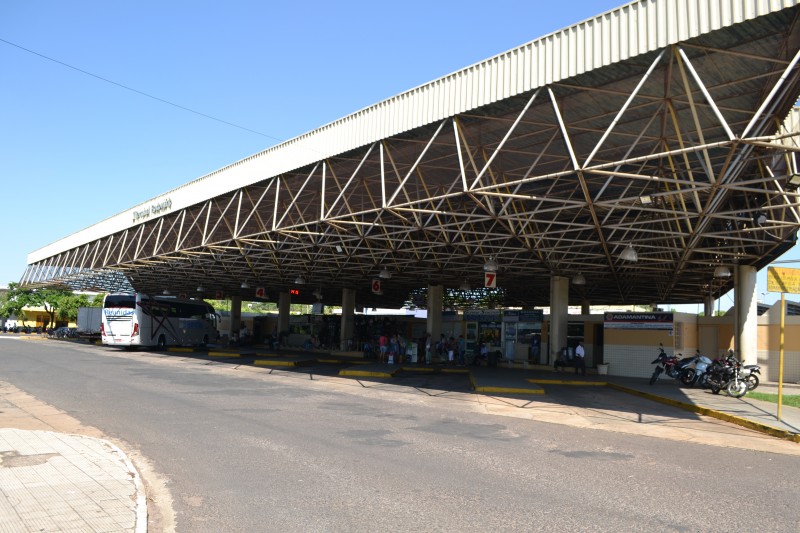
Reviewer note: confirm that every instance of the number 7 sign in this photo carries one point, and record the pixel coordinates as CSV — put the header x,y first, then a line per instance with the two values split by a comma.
x,y
490,280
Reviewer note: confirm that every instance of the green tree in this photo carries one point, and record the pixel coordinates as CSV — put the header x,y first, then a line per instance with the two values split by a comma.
x,y
68,310
15,299
57,302
52,300
477,298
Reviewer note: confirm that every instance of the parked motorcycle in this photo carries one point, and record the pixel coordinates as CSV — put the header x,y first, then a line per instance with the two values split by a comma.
x,y
725,373
671,365
748,373
695,370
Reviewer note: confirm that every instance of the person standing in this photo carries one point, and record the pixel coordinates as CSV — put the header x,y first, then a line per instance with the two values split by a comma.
x,y
451,349
428,341
382,347
580,359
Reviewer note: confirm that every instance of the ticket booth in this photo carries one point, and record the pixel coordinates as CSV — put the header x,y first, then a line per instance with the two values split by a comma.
x,y
522,334
484,326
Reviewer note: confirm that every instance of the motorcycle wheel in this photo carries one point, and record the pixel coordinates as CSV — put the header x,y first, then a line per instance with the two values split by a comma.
x,y
715,389
752,382
654,377
688,376
737,388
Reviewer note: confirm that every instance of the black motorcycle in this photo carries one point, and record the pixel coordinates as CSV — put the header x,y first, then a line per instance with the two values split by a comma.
x,y
725,373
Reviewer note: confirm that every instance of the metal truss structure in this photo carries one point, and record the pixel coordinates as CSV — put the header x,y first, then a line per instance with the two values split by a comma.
x,y
684,153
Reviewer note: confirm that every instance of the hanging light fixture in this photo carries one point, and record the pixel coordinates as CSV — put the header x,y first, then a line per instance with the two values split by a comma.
x,y
490,265
166,292
465,286
385,274
199,288
245,285
300,280
629,254
579,279
722,272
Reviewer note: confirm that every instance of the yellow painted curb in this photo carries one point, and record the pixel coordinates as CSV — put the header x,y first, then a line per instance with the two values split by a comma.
x,y
180,349
455,371
568,382
419,369
763,428
507,390
273,362
366,374
223,354
330,361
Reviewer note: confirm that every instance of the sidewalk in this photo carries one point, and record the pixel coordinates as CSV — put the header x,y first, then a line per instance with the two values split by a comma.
x,y
52,481
747,412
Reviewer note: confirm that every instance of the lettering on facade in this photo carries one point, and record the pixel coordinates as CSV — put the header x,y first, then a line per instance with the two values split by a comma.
x,y
153,209
639,321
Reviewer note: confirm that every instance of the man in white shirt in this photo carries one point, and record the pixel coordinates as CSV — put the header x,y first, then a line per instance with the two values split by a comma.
x,y
580,359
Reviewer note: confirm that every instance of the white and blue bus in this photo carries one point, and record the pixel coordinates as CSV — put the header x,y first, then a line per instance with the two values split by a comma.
x,y
134,319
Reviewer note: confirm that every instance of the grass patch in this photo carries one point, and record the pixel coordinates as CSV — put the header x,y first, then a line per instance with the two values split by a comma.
x,y
792,400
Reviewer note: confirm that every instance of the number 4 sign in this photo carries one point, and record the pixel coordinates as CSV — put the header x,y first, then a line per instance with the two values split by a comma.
x,y
490,280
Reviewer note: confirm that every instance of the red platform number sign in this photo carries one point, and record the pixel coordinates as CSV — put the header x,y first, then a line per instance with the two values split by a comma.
x,y
490,280
376,286
261,292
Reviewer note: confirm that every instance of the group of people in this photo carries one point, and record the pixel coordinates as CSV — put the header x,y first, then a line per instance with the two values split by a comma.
x,y
453,350
241,337
578,360
392,348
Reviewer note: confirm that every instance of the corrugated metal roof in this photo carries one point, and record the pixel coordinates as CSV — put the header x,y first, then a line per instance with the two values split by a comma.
x,y
630,30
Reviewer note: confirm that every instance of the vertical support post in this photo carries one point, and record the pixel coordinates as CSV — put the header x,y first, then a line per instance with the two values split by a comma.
x,y
284,301
236,316
348,319
708,306
559,315
780,357
435,297
746,314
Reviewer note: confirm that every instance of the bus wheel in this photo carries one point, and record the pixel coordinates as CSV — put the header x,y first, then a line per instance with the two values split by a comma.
x,y
162,342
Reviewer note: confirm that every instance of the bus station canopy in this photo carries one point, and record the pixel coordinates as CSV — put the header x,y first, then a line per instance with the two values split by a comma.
x,y
650,149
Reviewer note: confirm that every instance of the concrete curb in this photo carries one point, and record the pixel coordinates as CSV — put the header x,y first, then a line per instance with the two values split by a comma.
x,y
141,497
749,424
568,382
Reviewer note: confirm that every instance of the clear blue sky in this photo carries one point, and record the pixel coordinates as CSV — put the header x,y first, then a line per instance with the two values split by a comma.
x,y
75,149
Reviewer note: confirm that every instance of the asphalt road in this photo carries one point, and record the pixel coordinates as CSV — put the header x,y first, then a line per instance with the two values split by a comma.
x,y
247,450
